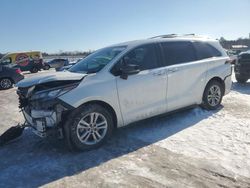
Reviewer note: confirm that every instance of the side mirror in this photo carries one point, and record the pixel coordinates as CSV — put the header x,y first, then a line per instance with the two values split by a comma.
x,y
129,69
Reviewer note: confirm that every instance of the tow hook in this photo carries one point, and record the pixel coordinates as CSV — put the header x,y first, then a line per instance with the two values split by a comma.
x,y
12,133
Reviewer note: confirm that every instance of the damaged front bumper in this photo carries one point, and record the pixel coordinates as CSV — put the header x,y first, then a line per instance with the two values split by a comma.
x,y
46,122
45,116
41,121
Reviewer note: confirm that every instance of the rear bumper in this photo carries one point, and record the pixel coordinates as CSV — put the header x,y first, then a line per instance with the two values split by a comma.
x,y
228,84
17,78
242,72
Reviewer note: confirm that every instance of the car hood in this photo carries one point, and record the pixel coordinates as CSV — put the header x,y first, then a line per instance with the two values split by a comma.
x,y
50,77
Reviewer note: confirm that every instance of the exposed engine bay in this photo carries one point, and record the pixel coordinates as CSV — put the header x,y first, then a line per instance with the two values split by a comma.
x,y
42,109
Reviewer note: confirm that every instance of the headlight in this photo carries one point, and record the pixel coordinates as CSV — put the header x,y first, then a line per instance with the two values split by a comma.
x,y
52,93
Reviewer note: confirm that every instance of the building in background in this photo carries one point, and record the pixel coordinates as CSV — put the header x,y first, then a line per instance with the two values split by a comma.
x,y
239,45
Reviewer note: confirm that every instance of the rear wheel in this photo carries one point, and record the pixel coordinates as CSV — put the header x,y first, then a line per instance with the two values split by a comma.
x,y
212,96
5,83
88,127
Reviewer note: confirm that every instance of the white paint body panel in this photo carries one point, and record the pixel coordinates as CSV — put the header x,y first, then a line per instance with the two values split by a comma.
x,y
185,84
50,77
95,88
147,94
142,95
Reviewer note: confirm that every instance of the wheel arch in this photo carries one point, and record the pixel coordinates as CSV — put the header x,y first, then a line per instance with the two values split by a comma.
x,y
47,65
11,79
106,106
218,79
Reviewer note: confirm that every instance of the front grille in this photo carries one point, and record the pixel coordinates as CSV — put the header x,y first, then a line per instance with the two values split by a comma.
x,y
22,94
23,102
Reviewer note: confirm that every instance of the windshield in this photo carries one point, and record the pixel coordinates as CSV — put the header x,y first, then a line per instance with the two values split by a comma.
x,y
97,60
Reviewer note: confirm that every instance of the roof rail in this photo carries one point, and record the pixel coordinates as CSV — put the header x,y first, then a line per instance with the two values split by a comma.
x,y
164,36
175,35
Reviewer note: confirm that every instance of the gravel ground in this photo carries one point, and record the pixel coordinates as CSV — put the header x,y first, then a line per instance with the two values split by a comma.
x,y
193,148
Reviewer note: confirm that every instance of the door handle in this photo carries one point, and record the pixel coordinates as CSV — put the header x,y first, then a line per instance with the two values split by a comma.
x,y
158,73
173,70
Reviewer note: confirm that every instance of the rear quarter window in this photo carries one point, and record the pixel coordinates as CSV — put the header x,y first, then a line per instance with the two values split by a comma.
x,y
205,50
178,52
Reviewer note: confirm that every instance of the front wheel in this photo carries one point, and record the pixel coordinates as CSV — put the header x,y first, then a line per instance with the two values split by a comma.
x,y
212,96
88,127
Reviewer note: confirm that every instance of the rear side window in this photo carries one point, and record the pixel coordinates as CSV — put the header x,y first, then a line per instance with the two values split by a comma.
x,y
205,50
178,52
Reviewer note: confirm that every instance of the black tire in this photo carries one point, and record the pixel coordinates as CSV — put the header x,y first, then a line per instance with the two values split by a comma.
x,y
46,67
34,70
6,83
208,97
241,79
71,130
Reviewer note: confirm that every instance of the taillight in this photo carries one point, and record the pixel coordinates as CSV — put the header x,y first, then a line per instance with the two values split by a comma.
x,y
18,71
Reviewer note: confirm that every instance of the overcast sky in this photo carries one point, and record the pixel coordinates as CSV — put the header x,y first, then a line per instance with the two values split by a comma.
x,y
68,25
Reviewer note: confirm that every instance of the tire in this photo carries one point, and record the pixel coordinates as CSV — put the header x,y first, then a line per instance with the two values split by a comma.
x,y
241,79
34,70
6,83
46,67
212,95
81,132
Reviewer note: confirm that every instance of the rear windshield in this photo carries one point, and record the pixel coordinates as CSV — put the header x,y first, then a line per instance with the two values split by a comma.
x,y
96,61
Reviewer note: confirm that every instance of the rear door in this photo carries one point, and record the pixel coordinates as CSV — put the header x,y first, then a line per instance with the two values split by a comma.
x,y
143,95
186,75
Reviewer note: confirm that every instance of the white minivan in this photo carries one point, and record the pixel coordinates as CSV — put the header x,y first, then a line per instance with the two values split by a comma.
x,y
125,83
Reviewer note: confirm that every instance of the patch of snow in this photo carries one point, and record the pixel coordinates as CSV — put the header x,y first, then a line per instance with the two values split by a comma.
x,y
222,137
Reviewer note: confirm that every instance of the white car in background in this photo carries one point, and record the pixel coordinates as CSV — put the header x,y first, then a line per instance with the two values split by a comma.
x,y
124,83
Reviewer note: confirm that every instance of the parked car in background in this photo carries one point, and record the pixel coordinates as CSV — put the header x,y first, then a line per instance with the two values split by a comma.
x,y
25,61
242,67
232,55
69,65
66,67
56,63
9,76
125,83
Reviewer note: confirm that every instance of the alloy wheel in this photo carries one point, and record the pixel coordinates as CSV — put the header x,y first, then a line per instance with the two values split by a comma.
x,y
92,128
214,95
5,83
